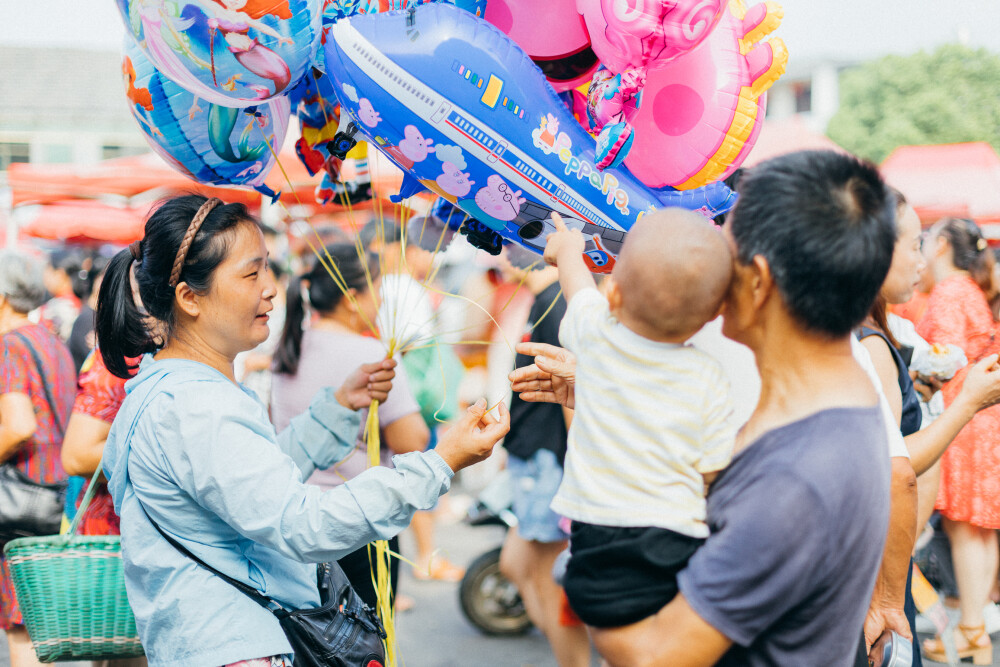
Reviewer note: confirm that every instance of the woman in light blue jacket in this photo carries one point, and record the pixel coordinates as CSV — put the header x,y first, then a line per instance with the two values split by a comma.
x,y
194,452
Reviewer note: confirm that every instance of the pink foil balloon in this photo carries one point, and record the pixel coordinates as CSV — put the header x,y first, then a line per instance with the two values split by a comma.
x,y
553,35
702,112
628,34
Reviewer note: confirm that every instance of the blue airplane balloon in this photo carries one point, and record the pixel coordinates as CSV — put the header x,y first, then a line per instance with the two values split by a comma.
x,y
467,114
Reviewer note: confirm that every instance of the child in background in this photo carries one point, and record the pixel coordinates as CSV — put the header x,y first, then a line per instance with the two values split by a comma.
x,y
652,421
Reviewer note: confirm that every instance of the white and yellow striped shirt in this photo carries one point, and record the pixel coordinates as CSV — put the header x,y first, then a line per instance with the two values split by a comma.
x,y
651,418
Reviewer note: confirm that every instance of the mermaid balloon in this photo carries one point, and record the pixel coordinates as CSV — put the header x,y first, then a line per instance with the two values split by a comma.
x,y
233,22
230,52
209,143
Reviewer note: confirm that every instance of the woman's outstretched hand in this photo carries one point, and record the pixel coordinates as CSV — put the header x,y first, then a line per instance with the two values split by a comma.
x,y
472,437
551,379
371,382
982,383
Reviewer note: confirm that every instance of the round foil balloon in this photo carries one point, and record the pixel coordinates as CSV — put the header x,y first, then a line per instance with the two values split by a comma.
x,y
207,142
552,33
231,52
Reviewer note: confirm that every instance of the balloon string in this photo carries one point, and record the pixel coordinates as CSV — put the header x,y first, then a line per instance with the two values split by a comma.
x,y
324,258
381,571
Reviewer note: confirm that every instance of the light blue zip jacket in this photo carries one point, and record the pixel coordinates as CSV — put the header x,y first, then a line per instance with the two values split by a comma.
x,y
202,456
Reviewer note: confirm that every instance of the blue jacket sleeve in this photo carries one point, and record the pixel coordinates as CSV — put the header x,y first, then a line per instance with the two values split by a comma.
x,y
322,435
229,463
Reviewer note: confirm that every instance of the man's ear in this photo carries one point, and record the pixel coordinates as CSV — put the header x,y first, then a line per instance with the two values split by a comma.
x,y
187,300
612,292
761,281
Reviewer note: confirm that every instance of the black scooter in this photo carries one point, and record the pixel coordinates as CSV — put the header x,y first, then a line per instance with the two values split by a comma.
x,y
488,599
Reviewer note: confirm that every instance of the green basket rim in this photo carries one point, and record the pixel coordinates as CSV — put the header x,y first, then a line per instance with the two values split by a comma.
x,y
59,540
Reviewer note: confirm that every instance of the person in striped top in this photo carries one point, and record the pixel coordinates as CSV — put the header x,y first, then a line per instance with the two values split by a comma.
x,y
653,418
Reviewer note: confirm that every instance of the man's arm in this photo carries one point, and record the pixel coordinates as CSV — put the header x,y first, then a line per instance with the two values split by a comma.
x,y
675,637
551,379
886,610
564,249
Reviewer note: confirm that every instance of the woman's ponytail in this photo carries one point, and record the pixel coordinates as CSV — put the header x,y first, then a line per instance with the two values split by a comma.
x,y
120,324
286,356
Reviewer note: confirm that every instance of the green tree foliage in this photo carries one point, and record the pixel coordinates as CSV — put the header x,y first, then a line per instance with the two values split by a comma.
x,y
947,96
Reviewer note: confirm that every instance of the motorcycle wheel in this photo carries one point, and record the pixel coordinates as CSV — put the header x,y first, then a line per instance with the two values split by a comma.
x,y
490,601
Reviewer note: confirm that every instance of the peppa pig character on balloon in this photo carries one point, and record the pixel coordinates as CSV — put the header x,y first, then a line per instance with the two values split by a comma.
x,y
453,182
412,149
367,113
494,205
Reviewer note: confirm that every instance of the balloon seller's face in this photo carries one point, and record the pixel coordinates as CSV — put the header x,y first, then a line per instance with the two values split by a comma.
x,y
235,310
907,260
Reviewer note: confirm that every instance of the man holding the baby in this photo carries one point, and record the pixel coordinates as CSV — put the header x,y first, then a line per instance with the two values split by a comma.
x,y
797,520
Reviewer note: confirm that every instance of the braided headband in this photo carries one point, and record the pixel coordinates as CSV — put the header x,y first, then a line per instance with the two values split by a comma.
x,y
192,230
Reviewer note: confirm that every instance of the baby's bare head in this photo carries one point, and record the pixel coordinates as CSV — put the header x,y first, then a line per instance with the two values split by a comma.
x,y
673,272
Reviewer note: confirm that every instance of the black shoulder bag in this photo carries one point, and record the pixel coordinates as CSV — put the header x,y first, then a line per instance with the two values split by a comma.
x,y
342,632
29,508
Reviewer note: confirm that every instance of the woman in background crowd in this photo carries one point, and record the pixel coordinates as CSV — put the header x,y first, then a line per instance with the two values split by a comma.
x,y
37,385
66,281
98,399
981,389
962,310
322,351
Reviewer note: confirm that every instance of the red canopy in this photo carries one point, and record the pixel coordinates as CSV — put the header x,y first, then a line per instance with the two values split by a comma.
x,y
129,177
960,180
108,201
75,220
124,177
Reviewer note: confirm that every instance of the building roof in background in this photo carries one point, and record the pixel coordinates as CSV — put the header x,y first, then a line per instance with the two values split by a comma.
x,y
62,89
785,135
949,180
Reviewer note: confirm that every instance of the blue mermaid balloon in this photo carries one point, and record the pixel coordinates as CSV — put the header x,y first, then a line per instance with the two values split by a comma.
x,y
209,143
229,52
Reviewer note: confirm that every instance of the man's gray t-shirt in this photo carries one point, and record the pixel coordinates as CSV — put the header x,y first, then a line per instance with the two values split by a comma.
x,y
798,525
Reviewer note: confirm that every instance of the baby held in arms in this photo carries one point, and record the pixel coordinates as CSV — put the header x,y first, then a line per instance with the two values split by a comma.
x,y
652,421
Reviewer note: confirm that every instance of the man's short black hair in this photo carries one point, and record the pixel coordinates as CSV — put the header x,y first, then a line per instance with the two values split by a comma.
x,y
826,224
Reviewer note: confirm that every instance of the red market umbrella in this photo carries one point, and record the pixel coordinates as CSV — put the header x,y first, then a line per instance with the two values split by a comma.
x,y
79,220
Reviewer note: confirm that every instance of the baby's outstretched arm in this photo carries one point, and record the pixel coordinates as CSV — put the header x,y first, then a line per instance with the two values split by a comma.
x,y
564,249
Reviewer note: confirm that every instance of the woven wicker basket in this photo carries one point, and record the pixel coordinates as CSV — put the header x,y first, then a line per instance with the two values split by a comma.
x,y
71,590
